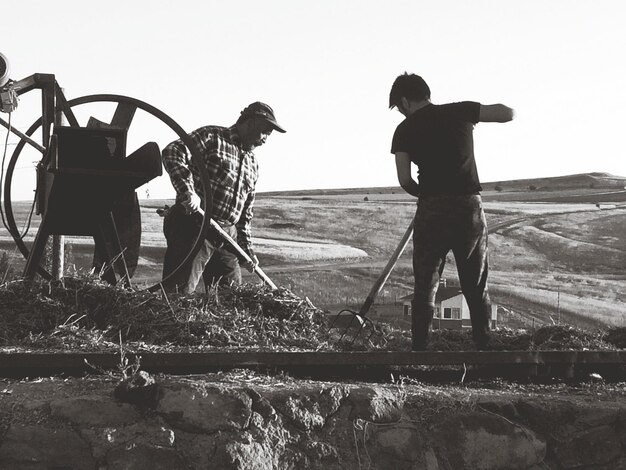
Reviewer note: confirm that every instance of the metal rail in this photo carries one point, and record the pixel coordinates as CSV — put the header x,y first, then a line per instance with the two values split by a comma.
x,y
27,364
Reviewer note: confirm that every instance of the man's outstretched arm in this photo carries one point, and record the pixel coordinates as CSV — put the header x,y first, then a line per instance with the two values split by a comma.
x,y
495,113
403,167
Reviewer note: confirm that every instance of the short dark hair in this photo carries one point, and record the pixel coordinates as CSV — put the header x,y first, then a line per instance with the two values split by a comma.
x,y
410,86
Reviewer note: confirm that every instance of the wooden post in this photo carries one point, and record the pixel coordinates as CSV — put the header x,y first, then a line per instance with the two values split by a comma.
x,y
58,241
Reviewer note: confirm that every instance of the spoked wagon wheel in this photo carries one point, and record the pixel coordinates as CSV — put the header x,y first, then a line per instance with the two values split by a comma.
x,y
130,216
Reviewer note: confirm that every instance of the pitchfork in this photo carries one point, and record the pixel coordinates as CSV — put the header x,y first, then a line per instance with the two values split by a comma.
x,y
234,245
360,316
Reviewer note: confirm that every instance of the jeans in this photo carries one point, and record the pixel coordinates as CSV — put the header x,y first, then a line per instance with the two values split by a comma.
x,y
444,223
214,262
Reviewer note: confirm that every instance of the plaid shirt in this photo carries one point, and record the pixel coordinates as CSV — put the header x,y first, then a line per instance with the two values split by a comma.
x,y
233,174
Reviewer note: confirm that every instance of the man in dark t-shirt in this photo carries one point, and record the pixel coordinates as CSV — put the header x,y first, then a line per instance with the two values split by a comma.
x,y
438,139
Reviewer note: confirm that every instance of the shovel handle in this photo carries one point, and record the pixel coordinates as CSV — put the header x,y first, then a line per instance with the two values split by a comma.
x,y
257,270
380,282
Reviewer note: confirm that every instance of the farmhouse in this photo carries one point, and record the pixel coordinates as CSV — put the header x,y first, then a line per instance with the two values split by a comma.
x,y
451,309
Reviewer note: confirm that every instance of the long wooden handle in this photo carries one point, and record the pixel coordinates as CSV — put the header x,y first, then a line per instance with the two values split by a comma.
x,y
258,271
380,282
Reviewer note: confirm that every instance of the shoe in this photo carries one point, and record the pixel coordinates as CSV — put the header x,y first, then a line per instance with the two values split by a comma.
x,y
420,327
482,344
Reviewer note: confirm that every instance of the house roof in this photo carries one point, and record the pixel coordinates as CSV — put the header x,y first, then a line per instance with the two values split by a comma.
x,y
443,293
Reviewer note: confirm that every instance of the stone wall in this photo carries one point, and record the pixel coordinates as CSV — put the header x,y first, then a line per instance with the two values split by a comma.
x,y
220,422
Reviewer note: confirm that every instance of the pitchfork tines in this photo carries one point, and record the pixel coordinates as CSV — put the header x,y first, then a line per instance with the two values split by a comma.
x,y
357,320
376,288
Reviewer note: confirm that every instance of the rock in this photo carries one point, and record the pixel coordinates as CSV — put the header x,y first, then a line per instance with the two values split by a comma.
x,y
621,430
34,447
144,433
595,446
331,399
262,406
587,435
400,446
503,408
402,441
378,405
93,411
252,455
308,411
321,451
139,389
303,411
138,457
197,449
545,417
599,415
36,405
478,441
205,409
245,454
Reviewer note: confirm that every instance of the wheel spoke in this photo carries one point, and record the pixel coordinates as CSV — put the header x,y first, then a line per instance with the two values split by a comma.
x,y
123,115
23,136
62,103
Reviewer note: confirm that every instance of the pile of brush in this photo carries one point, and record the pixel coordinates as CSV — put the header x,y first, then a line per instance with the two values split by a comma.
x,y
550,337
79,313
86,314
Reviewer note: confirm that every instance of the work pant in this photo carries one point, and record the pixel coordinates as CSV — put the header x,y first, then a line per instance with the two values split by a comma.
x,y
444,223
213,262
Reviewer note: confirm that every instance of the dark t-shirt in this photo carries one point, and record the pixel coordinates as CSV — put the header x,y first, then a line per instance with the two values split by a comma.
x,y
439,140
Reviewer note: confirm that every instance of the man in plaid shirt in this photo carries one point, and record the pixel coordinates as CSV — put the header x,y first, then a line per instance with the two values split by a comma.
x,y
227,153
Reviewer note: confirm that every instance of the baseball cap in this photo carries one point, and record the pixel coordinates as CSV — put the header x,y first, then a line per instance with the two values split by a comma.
x,y
262,110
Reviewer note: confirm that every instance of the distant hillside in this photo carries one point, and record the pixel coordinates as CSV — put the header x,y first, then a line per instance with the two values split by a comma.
x,y
334,191
578,181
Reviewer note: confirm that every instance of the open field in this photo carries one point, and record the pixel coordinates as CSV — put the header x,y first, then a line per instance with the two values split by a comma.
x,y
549,262
547,267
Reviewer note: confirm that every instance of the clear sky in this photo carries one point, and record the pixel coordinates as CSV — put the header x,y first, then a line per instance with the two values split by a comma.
x,y
326,68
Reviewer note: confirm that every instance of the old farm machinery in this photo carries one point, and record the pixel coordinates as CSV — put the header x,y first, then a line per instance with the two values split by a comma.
x,y
86,179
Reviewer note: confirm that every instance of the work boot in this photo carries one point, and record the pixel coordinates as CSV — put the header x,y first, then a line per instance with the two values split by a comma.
x,y
480,312
420,325
419,344
481,341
